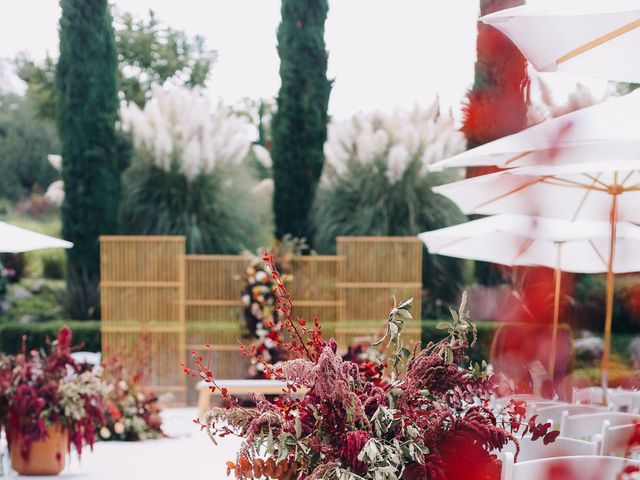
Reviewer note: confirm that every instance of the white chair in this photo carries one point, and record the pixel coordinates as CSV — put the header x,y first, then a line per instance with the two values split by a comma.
x,y
624,400
586,425
500,402
555,413
91,358
588,395
584,467
560,447
616,441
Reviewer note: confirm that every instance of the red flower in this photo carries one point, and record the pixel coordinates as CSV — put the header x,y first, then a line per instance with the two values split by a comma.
x,y
352,444
64,338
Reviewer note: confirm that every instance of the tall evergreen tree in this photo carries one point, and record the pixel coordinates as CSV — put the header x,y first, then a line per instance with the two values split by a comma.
x,y
299,126
87,109
497,103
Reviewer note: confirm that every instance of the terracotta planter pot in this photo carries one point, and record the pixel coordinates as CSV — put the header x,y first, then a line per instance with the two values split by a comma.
x,y
46,457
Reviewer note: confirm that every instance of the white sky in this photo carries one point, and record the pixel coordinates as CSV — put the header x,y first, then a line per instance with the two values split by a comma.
x,y
382,53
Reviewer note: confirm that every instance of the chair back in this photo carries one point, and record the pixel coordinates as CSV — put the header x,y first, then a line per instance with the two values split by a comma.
x,y
554,413
584,426
561,447
623,400
501,402
621,441
587,395
585,467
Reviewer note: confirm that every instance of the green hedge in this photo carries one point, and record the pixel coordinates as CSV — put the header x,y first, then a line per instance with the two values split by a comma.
x,y
88,334
85,333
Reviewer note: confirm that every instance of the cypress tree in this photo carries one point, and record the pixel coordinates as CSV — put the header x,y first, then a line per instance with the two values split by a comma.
x,y
299,125
497,103
87,109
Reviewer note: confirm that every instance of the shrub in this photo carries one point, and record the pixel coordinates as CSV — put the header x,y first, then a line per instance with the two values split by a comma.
x,y
35,206
15,266
25,142
53,265
375,182
589,309
85,333
189,176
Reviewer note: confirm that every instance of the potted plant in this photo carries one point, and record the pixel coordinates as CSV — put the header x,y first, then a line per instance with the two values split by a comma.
x,y
47,404
413,415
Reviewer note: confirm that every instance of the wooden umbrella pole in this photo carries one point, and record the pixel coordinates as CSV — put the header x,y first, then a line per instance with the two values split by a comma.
x,y
609,312
556,314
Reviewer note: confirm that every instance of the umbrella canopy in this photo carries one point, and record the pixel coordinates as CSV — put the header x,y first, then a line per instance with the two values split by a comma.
x,y
576,36
570,192
579,247
604,130
523,240
594,191
15,240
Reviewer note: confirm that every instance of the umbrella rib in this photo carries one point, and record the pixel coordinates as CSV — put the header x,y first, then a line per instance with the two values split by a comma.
x,y
511,192
526,245
563,182
596,42
595,249
596,180
517,157
583,201
629,175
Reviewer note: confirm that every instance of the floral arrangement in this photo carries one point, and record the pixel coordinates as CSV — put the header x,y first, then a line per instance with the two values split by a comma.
x,y
131,410
261,315
429,420
262,318
39,390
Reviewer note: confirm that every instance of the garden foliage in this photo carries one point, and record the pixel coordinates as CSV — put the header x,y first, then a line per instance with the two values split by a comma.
x,y
25,142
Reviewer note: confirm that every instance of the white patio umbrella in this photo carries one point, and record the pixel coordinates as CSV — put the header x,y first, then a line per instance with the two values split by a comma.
x,y
15,240
598,39
602,131
512,240
592,191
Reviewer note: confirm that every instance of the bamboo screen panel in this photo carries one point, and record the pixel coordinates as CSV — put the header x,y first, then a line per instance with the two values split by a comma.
x,y
375,269
312,282
142,295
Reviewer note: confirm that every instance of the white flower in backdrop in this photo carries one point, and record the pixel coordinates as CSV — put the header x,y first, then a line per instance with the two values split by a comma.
x,y
55,191
182,125
392,142
543,105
